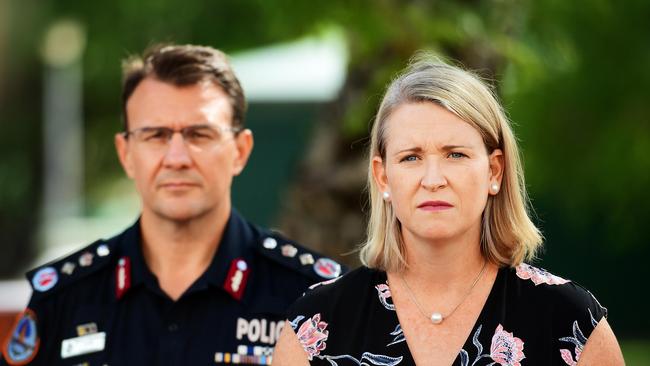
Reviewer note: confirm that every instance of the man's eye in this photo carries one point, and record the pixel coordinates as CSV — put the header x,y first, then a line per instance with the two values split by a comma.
x,y
457,155
200,134
154,135
409,158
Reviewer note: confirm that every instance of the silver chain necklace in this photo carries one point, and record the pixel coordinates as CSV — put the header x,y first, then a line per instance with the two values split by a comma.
x,y
436,317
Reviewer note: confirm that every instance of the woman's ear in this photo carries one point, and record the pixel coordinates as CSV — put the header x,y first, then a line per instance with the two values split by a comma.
x,y
496,160
379,173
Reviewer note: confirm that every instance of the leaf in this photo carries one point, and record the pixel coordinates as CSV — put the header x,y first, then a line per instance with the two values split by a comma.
x,y
476,342
380,360
464,358
578,333
567,356
294,323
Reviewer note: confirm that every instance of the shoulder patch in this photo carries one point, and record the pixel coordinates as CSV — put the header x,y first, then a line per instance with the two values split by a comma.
x,y
60,273
327,268
44,279
298,258
22,343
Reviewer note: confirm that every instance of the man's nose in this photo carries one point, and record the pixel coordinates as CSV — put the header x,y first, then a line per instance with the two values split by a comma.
x,y
177,154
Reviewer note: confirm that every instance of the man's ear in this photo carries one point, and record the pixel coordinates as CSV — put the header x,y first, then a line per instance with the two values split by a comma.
x,y
244,144
124,154
379,173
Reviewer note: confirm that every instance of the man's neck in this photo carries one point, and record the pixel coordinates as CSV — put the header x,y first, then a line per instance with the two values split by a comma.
x,y
178,253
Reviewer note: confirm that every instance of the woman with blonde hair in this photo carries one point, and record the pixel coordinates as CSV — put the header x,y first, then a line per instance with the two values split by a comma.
x,y
444,280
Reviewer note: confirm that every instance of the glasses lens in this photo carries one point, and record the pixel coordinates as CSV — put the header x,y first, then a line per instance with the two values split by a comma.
x,y
154,135
201,136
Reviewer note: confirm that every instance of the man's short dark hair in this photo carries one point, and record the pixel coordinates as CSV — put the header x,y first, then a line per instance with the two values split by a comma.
x,y
183,65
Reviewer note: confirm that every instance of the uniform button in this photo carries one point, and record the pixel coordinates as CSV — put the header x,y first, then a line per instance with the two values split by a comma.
x,y
173,327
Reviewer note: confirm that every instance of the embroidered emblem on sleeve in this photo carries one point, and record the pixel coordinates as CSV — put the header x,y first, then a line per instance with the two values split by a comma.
x,y
22,345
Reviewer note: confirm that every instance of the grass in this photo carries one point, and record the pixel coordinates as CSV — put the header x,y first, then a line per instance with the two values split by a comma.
x,y
636,352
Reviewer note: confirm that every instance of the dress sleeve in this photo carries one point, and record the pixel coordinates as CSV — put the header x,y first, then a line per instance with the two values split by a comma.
x,y
309,317
577,315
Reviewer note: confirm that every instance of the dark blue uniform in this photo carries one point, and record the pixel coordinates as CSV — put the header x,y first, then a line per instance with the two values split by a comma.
x,y
103,306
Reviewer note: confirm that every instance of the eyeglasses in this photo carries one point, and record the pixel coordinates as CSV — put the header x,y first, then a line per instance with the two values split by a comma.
x,y
200,136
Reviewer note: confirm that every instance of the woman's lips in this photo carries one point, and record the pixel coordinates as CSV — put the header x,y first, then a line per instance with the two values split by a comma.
x,y
435,206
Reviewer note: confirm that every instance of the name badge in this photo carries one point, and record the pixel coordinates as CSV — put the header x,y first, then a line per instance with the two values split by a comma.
x,y
82,345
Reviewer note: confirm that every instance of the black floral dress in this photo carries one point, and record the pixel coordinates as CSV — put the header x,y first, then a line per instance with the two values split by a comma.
x,y
531,317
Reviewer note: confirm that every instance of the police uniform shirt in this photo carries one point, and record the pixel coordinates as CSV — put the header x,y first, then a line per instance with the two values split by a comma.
x,y
103,306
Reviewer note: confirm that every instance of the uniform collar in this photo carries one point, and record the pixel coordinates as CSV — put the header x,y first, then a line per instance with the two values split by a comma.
x,y
237,243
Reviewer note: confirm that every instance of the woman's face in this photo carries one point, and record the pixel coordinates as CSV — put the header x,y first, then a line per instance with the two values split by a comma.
x,y
437,172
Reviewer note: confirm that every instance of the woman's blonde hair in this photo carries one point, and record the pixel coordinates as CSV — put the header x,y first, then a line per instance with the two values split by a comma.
x,y
508,236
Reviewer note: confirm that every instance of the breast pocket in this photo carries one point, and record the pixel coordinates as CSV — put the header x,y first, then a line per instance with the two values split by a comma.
x,y
86,337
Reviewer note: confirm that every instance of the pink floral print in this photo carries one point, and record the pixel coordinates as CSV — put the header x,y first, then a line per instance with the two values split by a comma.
x,y
323,283
383,291
312,336
538,275
506,349
578,340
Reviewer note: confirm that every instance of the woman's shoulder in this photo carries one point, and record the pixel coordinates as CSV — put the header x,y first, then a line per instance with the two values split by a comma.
x,y
327,296
539,284
568,307
350,284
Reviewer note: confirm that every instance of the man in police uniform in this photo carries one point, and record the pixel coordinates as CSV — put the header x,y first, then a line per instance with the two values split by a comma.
x,y
191,282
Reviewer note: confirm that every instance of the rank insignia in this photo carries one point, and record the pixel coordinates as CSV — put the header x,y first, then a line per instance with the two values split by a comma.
x,y
22,344
122,277
289,250
236,279
306,259
86,259
68,268
45,279
327,268
270,243
103,250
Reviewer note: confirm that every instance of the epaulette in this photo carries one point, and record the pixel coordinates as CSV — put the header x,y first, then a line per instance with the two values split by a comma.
x,y
61,273
298,258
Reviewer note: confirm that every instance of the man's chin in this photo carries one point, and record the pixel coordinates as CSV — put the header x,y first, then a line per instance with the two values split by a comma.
x,y
180,214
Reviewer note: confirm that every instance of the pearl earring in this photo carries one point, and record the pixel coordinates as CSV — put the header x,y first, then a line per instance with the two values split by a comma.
x,y
495,188
386,196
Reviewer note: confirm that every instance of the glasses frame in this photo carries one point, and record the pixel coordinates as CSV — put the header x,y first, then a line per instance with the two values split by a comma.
x,y
183,131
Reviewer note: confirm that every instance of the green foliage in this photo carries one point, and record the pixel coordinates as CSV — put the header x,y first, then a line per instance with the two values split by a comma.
x,y
573,77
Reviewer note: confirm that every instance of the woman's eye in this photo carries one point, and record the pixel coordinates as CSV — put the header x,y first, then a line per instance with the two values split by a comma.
x,y
457,155
409,158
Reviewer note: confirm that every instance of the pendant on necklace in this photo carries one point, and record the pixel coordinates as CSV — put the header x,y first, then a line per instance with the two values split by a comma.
x,y
436,318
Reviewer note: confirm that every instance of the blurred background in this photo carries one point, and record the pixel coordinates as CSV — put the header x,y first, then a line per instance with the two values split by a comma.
x,y
573,76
